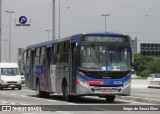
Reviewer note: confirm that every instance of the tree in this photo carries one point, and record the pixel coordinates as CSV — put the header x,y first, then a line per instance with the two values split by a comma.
x,y
141,63
154,66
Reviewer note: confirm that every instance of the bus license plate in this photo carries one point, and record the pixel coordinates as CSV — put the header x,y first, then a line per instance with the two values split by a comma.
x,y
106,89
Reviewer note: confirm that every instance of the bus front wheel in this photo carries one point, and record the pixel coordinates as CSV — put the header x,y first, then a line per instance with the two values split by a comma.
x,y
110,98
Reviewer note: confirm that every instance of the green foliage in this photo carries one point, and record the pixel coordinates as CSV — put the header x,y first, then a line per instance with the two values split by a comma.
x,y
144,65
154,66
144,73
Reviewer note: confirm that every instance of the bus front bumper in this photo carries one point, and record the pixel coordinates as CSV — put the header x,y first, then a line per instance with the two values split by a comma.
x,y
101,91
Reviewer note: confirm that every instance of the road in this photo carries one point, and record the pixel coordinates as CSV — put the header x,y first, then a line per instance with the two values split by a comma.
x,y
140,89
98,105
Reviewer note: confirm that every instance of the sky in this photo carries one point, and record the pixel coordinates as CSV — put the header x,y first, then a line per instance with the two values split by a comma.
x,y
137,18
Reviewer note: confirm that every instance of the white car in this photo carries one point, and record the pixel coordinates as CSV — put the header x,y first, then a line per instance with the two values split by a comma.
x,y
10,76
154,80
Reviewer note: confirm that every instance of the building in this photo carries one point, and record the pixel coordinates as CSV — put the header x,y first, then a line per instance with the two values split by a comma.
x,y
150,49
134,45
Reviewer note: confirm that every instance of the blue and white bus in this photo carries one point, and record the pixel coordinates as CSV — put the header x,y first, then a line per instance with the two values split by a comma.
x,y
88,64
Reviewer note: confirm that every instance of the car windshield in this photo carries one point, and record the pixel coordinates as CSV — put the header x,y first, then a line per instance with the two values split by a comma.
x,y
157,75
10,71
104,58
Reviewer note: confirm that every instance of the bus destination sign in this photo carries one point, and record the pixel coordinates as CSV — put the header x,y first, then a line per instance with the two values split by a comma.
x,y
104,39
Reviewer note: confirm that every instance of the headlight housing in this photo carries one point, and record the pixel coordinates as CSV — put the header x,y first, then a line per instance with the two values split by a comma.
x,y
3,82
82,81
127,83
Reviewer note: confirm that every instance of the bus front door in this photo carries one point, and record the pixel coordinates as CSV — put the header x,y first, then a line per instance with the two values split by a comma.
x,y
48,63
73,66
32,69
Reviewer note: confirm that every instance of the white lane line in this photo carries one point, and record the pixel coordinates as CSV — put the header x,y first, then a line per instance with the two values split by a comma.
x,y
26,104
4,102
23,95
12,94
52,100
72,104
64,112
12,103
102,109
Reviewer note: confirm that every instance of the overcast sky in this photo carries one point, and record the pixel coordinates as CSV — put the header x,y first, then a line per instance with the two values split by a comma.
x,y
137,18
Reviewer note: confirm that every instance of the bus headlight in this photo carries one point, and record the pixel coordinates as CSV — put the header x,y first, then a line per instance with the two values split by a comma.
x,y
127,83
82,81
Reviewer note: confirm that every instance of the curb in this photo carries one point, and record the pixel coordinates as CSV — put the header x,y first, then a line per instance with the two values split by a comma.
x,y
140,99
24,86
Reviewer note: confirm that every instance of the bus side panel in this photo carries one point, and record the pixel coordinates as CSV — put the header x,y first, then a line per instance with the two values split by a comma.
x,y
48,79
53,77
59,76
27,76
42,77
34,77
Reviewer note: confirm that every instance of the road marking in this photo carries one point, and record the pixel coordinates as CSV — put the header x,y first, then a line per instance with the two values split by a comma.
x,y
26,104
12,94
102,109
72,103
12,103
52,100
4,102
64,112
23,95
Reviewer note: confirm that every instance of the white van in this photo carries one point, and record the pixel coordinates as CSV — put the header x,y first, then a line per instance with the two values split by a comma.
x,y
10,76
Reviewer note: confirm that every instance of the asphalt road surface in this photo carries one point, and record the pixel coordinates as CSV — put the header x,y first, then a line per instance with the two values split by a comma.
x,y
95,105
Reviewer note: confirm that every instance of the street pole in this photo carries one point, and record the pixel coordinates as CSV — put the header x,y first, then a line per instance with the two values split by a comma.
x,y
59,19
105,15
48,33
0,27
10,12
5,40
53,20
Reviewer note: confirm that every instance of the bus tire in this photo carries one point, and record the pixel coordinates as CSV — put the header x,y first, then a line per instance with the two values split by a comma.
x,y
19,88
66,96
38,92
110,98
1,88
45,94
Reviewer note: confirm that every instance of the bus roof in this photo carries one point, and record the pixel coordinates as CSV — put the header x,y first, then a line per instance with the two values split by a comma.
x,y
75,37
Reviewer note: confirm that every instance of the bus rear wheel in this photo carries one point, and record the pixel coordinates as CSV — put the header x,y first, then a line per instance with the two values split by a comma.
x,y
38,92
110,98
66,96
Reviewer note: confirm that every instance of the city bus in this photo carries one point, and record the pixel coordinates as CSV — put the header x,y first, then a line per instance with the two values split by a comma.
x,y
86,64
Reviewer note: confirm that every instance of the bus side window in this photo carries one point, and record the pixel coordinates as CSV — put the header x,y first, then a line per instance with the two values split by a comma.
x,y
54,54
42,56
61,51
37,54
28,59
66,52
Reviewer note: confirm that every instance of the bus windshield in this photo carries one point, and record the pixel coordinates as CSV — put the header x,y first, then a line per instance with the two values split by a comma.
x,y
104,58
